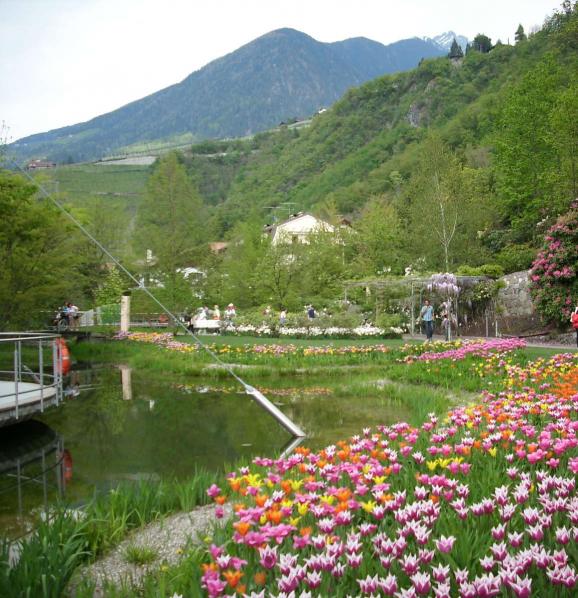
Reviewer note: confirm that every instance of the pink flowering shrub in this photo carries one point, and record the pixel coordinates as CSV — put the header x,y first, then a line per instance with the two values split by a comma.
x,y
554,284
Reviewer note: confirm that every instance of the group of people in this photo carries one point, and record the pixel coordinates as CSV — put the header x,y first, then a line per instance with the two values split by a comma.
x,y
204,313
427,316
67,316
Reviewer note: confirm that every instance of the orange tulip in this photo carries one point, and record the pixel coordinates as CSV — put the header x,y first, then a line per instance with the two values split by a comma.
x,y
232,577
242,527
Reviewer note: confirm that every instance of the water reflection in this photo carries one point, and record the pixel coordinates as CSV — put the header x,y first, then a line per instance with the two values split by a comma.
x,y
34,469
121,424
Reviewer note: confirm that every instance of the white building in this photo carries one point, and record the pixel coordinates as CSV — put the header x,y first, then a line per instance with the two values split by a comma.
x,y
297,229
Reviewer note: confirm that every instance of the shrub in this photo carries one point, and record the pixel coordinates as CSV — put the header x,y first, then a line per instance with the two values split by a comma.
x,y
489,270
554,285
387,321
514,258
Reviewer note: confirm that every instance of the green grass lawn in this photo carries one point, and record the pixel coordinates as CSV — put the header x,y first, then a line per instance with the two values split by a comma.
x,y
238,341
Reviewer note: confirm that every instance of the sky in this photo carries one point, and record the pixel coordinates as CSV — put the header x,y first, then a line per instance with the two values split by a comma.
x,y
67,61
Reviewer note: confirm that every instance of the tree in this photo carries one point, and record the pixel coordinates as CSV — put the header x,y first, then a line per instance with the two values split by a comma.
x,y
564,138
531,145
38,264
455,51
445,209
377,244
520,36
106,222
279,274
482,43
237,277
111,288
323,266
438,187
170,220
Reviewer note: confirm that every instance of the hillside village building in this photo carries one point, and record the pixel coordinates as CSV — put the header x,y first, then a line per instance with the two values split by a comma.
x,y
297,229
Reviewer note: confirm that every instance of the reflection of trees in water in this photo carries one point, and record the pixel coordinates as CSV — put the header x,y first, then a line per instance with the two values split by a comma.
x,y
31,474
167,430
162,430
329,418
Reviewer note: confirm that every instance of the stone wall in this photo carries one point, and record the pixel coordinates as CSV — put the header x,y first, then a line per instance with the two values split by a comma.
x,y
515,310
514,299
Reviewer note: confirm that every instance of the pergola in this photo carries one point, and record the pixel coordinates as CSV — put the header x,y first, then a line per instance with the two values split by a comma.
x,y
416,286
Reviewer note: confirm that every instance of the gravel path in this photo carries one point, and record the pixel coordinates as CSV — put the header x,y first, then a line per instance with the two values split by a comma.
x,y
168,537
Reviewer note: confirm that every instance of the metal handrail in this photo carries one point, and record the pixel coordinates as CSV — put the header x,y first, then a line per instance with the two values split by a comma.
x,y
6,337
43,380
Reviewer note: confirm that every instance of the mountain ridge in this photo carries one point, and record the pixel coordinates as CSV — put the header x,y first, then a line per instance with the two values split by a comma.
x,y
282,74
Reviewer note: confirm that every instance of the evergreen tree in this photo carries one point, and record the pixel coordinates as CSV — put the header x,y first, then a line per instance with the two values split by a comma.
x,y
170,220
455,51
482,43
520,36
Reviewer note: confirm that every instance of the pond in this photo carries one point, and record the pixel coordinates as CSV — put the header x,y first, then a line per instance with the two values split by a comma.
x,y
118,424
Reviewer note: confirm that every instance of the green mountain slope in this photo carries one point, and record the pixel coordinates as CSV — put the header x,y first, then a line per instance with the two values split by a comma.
x,y
350,152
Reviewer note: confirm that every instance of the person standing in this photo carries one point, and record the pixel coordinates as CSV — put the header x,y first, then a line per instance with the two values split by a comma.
x,y
73,316
574,320
230,314
427,315
282,317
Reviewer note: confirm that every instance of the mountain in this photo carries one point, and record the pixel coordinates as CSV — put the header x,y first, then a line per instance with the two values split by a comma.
x,y
371,59
444,40
283,74
369,142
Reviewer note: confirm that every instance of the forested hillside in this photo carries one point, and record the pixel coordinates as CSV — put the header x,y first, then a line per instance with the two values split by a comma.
x,y
507,118
462,165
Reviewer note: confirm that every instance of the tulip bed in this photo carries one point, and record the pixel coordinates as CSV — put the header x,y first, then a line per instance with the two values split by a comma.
x,y
454,351
482,503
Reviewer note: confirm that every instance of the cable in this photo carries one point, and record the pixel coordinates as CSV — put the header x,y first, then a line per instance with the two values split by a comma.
x,y
250,390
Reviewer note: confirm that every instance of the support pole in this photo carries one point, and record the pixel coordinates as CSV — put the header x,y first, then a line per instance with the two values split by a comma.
x,y
276,413
124,313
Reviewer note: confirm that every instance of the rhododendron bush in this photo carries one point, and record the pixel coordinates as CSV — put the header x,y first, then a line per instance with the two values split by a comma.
x,y
554,284
480,503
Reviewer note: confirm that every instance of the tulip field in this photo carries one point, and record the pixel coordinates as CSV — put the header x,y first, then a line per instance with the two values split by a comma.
x,y
478,502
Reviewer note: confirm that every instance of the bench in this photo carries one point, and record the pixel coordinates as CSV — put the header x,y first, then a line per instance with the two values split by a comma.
x,y
206,325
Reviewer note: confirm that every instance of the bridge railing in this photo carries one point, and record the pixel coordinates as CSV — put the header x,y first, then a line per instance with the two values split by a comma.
x,y
30,362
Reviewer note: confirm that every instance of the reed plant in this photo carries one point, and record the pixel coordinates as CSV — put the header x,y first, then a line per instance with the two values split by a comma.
x,y
41,565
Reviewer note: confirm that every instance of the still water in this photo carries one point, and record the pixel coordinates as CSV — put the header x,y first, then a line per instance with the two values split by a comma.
x,y
119,424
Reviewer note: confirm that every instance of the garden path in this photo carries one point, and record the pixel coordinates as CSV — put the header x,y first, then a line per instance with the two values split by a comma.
x,y
167,537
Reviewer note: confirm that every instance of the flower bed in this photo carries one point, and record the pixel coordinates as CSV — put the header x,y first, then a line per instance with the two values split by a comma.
x,y
483,503
167,341
481,348
314,331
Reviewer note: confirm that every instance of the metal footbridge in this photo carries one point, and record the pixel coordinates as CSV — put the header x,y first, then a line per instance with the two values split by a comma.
x,y
30,374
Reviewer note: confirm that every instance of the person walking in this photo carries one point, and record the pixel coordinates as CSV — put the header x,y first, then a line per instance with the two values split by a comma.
x,y
427,315
574,320
230,314
73,316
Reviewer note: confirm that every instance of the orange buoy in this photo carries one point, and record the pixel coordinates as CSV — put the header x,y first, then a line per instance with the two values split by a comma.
x,y
64,356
